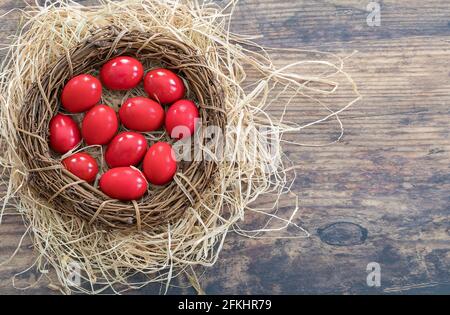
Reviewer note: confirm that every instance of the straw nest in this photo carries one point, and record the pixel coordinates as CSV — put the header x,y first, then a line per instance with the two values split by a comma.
x,y
185,223
69,194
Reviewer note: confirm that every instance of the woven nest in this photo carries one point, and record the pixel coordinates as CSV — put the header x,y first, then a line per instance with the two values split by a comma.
x,y
68,193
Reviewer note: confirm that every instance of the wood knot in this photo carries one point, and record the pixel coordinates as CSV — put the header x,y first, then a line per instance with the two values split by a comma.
x,y
343,234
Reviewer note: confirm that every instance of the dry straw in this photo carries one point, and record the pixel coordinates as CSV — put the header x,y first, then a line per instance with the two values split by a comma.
x,y
184,224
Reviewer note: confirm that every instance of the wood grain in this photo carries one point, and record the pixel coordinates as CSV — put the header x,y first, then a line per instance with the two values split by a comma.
x,y
380,195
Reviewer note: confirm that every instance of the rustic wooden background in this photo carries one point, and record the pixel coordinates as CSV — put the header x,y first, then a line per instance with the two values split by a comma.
x,y
382,194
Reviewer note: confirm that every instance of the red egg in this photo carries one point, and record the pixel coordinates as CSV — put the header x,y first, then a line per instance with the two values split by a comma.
x,y
160,164
181,119
141,114
99,125
122,73
82,165
81,93
126,149
64,133
123,183
164,86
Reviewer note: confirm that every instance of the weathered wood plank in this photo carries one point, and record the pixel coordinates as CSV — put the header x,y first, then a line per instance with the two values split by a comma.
x,y
381,194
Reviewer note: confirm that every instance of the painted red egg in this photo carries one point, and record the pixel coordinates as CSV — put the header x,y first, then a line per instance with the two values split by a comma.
x,y
123,183
181,119
122,73
81,93
160,164
126,149
82,165
99,125
64,133
164,86
141,114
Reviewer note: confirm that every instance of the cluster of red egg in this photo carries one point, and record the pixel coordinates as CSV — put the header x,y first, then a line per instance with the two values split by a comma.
x,y
125,150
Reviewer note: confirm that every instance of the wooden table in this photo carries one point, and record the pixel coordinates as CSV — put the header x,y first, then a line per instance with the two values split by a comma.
x,y
380,195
